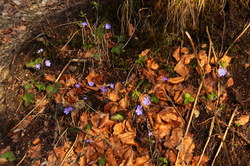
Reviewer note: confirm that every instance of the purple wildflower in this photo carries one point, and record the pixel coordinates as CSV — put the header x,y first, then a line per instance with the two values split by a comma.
x,y
47,63
104,89
85,97
112,85
164,78
38,66
107,26
40,50
91,83
139,110
77,85
89,141
222,72
67,110
84,24
146,101
150,134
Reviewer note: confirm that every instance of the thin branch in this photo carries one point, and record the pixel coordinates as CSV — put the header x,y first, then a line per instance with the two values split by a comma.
x,y
224,136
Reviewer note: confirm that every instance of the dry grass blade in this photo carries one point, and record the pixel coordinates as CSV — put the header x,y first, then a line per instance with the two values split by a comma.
x,y
224,136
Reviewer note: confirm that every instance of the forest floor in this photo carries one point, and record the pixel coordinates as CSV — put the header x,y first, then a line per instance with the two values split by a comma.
x,y
74,93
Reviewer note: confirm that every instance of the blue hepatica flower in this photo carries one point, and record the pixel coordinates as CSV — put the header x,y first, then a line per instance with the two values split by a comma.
x,y
89,141
47,63
91,83
104,89
67,110
107,26
150,134
164,78
84,24
38,66
40,50
85,97
222,72
77,85
146,101
112,85
139,110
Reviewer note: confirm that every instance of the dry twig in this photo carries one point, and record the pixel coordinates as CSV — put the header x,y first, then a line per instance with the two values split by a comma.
x,y
224,136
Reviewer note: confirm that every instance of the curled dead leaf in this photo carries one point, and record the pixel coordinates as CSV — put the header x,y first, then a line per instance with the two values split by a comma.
x,y
184,50
242,120
230,82
176,54
207,68
36,141
226,60
49,77
176,80
152,65
141,160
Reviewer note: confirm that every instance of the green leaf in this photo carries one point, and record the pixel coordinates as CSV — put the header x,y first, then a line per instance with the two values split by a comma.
x,y
28,98
101,161
191,99
119,116
32,64
154,98
32,81
53,89
121,38
8,155
40,86
212,96
135,94
27,86
88,127
186,101
140,62
187,95
117,49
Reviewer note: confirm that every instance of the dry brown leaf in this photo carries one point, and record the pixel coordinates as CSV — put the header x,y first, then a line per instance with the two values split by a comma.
x,y
176,80
186,149
141,160
195,160
164,130
230,82
114,96
202,57
246,65
242,120
152,65
144,53
187,58
118,129
124,102
207,68
128,138
131,29
36,141
110,157
184,50
49,77
176,54
34,151
175,138
181,69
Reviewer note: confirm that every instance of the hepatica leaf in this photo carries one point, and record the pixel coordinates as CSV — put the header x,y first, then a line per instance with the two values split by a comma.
x,y
33,64
27,86
28,98
40,86
154,99
8,155
118,116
